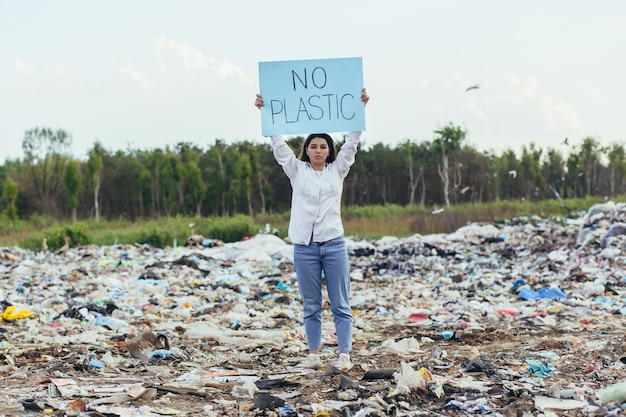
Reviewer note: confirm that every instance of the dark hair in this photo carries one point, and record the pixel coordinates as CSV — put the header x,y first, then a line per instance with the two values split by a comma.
x,y
332,149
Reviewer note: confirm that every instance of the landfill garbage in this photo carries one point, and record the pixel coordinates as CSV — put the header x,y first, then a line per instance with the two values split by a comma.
x,y
523,317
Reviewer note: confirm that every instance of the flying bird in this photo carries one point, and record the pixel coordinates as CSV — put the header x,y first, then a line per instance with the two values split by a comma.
x,y
473,87
566,141
513,173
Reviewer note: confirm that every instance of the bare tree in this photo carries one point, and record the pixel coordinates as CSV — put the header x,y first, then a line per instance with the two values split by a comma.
x,y
449,140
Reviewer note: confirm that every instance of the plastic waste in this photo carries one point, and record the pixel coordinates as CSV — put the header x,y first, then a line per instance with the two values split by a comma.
x,y
550,293
162,354
96,364
613,393
404,347
111,323
267,402
528,294
540,368
76,408
247,390
447,334
517,284
481,363
408,379
13,312
592,289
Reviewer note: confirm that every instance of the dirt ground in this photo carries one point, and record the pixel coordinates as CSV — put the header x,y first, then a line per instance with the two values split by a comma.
x,y
582,361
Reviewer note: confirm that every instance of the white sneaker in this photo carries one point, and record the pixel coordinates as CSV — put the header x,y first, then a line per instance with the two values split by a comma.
x,y
343,363
312,361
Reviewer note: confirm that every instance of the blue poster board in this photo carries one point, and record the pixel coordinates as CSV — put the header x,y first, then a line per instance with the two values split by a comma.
x,y
311,96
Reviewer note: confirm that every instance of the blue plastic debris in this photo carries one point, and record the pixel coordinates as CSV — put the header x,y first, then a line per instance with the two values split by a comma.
x,y
528,294
96,364
518,283
447,334
551,293
162,354
540,368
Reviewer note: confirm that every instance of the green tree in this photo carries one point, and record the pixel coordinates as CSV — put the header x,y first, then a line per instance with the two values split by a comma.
x,y
379,166
617,166
258,172
213,166
243,174
553,171
10,193
235,172
409,152
574,175
145,193
507,169
45,153
154,162
71,182
121,191
173,183
590,161
196,185
476,169
530,164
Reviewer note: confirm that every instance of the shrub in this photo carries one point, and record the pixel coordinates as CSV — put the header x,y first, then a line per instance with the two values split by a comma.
x,y
154,236
55,237
233,229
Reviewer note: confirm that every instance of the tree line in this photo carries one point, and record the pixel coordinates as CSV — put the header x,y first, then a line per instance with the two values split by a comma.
x,y
243,178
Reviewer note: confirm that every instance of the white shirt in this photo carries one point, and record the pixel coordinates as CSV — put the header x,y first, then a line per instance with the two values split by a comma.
x,y
315,199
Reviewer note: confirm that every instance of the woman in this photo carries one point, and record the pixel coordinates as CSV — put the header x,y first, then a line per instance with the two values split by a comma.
x,y
316,230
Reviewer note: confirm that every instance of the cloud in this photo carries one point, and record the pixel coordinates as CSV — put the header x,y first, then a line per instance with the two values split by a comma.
x,y
399,83
21,68
514,88
195,61
559,116
476,111
589,90
436,108
526,91
137,75
420,82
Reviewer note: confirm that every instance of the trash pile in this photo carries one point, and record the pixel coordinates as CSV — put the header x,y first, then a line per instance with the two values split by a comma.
x,y
520,318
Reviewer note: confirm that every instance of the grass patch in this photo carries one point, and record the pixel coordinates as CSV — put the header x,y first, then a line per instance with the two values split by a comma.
x,y
371,222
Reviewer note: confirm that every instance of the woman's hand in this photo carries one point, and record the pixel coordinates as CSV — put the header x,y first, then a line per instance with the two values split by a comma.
x,y
364,97
259,101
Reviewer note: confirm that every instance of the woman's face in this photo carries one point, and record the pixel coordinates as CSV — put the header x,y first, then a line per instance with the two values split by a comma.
x,y
318,151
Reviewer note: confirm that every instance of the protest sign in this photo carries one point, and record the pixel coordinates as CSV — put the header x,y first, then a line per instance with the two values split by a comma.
x,y
311,96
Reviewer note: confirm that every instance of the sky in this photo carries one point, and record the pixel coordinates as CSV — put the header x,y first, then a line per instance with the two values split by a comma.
x,y
147,74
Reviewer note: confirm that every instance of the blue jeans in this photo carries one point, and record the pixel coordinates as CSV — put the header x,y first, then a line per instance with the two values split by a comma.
x,y
331,258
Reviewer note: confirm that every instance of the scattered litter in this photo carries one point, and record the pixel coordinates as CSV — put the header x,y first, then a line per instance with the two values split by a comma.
x,y
523,317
